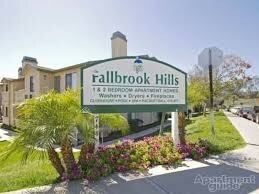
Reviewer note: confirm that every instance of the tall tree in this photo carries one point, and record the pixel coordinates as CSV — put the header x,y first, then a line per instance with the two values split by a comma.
x,y
181,126
231,75
252,87
228,78
197,91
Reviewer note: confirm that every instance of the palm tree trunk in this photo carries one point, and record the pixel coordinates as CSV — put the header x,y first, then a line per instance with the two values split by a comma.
x,y
86,148
181,126
55,161
72,169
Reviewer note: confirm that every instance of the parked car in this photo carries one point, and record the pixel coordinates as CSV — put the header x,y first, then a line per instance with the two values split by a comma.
x,y
254,114
234,110
244,111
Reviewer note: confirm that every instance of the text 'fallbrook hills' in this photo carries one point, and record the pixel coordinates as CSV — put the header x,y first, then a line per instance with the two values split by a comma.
x,y
111,77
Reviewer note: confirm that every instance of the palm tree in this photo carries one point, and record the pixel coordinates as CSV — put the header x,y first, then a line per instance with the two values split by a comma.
x,y
181,126
47,121
38,128
86,130
50,120
69,117
115,122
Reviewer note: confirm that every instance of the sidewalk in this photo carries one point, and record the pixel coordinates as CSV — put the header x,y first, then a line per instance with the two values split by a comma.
x,y
247,157
6,135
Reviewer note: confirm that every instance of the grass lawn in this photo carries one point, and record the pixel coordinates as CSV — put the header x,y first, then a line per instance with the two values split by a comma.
x,y
14,175
226,138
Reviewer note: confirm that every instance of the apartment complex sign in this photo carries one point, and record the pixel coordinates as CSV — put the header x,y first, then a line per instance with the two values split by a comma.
x,y
132,84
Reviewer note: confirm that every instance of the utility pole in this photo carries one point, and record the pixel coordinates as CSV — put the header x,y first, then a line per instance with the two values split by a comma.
x,y
211,95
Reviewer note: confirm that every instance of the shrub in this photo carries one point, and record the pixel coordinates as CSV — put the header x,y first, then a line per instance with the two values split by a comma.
x,y
128,155
155,151
191,150
206,144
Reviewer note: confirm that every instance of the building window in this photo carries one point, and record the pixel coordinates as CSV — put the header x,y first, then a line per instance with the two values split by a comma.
x,y
71,80
6,111
31,84
45,77
68,83
57,83
30,95
133,115
6,87
74,80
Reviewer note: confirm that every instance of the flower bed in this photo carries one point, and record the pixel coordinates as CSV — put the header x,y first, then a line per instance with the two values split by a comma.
x,y
191,150
128,155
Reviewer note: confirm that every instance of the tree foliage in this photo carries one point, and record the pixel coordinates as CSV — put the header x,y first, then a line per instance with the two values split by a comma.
x,y
197,91
50,120
228,78
252,87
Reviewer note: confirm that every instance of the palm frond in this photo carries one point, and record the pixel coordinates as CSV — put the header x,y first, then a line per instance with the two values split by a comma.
x,y
116,122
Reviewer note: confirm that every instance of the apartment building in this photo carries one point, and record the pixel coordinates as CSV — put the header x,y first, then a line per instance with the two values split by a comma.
x,y
34,80
12,96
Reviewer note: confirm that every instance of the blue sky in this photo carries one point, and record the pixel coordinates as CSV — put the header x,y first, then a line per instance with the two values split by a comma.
x,y
65,32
